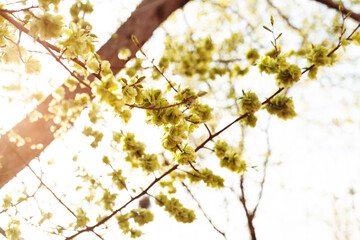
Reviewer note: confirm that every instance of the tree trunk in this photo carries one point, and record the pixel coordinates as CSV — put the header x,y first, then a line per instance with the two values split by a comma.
x,y
142,22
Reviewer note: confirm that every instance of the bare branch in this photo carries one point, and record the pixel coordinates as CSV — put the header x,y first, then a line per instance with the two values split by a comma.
x,y
282,15
202,210
236,120
334,49
336,6
249,214
265,164
155,67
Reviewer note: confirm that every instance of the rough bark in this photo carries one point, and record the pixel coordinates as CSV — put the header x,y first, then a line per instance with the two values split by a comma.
x,y
142,22
335,5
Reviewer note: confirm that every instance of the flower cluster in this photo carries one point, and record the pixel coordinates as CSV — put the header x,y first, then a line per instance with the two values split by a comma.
x,y
175,209
281,106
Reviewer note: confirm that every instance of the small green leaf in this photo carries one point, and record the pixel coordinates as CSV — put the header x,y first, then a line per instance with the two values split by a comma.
x,y
140,79
348,15
267,29
135,40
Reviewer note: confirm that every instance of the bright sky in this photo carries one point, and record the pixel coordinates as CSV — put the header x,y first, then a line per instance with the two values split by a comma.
x,y
313,165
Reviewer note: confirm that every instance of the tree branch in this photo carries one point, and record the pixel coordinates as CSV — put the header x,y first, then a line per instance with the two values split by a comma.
x,y
88,229
265,164
249,214
212,136
335,5
202,210
143,21
282,15
45,44
2,232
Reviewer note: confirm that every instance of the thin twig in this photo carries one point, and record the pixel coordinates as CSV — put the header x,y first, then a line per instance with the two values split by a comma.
x,y
154,66
236,120
207,128
98,235
51,191
219,132
334,49
20,10
66,68
87,229
266,161
271,97
154,107
27,197
121,181
42,183
226,61
192,166
17,46
46,45
249,215
282,15
202,210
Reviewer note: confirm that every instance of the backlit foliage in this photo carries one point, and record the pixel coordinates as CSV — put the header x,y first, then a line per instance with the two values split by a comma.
x,y
198,80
